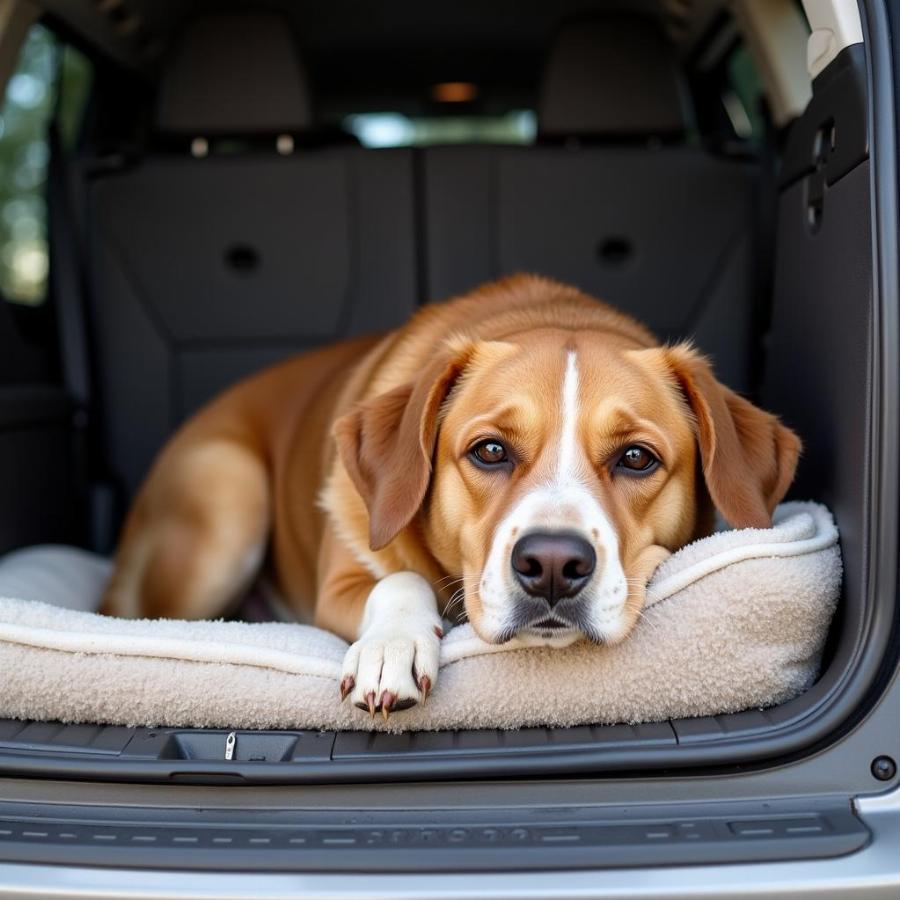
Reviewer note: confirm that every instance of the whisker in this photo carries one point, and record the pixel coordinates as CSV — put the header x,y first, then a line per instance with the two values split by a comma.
x,y
447,582
455,601
648,621
456,608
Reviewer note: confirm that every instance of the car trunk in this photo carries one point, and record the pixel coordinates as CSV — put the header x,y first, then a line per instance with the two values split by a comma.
x,y
818,353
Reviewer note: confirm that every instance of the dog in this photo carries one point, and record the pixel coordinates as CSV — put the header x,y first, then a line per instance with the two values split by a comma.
x,y
525,455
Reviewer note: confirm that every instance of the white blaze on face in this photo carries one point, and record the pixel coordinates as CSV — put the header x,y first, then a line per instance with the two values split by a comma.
x,y
566,471
562,504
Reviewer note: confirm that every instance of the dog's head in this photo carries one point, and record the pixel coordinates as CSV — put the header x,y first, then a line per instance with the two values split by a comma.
x,y
553,471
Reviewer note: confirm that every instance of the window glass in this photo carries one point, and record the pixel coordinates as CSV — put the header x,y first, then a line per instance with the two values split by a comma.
x,y
390,129
75,79
45,70
743,96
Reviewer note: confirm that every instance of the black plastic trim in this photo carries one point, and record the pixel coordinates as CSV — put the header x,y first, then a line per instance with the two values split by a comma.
x,y
832,135
30,405
494,839
197,756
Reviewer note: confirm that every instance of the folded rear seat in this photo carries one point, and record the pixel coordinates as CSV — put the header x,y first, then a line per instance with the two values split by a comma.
x,y
205,269
613,198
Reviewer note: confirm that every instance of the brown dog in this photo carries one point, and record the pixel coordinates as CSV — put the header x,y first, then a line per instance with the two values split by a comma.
x,y
524,448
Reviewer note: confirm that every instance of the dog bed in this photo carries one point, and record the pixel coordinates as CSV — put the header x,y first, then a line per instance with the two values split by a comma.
x,y
734,621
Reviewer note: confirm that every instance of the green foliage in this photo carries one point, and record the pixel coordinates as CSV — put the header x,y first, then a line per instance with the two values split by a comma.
x,y
50,79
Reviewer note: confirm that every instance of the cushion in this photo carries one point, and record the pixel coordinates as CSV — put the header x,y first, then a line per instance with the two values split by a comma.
x,y
733,621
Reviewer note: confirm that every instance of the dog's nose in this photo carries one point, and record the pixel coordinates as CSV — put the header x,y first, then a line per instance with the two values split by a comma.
x,y
553,566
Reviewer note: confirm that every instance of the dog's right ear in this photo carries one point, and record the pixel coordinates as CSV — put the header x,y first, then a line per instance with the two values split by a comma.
x,y
386,445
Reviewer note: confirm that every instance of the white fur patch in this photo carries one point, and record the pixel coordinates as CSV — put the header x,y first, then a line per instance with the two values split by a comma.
x,y
563,504
400,602
397,640
568,439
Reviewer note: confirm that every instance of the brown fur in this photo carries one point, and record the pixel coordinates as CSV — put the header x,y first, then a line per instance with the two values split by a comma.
x,y
256,480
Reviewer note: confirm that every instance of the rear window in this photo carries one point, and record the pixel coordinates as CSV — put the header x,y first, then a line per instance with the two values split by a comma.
x,y
393,129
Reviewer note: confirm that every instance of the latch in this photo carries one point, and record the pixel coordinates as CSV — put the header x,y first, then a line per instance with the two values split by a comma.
x,y
816,182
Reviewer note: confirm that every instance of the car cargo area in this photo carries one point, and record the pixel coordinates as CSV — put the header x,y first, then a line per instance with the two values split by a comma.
x,y
241,182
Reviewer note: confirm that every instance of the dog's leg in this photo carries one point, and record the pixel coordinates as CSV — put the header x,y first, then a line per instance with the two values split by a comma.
x,y
393,662
196,537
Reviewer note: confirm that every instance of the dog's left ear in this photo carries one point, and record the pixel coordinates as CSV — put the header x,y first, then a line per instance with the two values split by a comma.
x,y
748,456
386,445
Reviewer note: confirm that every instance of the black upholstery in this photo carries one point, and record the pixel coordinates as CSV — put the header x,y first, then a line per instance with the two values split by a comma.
x,y
665,235
615,76
204,270
665,231
233,73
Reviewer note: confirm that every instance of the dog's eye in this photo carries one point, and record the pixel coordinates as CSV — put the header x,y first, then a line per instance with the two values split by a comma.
x,y
489,453
637,459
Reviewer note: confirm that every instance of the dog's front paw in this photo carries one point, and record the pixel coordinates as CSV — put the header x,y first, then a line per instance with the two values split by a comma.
x,y
388,669
394,664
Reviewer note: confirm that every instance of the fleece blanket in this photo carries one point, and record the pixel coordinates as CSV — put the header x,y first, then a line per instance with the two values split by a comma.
x,y
733,621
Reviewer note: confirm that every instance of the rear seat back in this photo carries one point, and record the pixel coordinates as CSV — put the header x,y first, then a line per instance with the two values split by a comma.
x,y
612,199
206,269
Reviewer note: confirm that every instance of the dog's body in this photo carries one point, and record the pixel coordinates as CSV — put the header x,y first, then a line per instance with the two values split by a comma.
x,y
525,447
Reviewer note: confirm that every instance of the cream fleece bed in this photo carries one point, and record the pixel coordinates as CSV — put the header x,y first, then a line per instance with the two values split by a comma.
x,y
734,621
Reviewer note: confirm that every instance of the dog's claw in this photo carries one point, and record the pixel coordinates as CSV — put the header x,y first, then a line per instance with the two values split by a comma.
x,y
392,667
424,686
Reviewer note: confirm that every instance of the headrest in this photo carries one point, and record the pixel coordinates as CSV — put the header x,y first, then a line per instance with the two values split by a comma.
x,y
616,76
234,73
